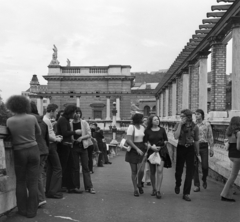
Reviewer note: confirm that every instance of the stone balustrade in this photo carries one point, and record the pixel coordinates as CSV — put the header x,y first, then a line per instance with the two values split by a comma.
x,y
219,164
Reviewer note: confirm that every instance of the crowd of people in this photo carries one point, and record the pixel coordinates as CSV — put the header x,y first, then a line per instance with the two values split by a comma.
x,y
49,149
195,145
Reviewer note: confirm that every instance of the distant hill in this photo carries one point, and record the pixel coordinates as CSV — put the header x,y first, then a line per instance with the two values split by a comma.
x,y
141,77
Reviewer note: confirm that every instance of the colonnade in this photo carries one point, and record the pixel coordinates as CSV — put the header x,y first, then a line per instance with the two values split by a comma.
x,y
189,88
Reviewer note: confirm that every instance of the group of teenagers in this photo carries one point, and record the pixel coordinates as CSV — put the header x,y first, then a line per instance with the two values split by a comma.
x,y
195,144
47,153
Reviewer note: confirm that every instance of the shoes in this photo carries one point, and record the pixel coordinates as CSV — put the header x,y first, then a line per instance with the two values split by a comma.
x,y
91,190
136,194
22,213
177,190
154,192
204,185
75,191
42,203
63,189
55,196
108,162
227,199
140,190
186,197
196,189
91,172
149,184
158,195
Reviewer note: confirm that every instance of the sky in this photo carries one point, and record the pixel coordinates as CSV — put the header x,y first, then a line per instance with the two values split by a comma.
x,y
146,34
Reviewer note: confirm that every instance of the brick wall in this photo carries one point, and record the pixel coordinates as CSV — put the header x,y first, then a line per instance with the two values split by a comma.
x,y
170,100
218,67
194,87
179,93
164,102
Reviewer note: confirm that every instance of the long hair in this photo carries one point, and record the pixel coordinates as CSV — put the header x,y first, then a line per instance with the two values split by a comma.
x,y
34,109
59,114
150,120
234,126
188,114
137,118
18,104
69,111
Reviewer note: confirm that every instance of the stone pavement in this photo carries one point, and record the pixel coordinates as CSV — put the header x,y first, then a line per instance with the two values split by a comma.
x,y
114,201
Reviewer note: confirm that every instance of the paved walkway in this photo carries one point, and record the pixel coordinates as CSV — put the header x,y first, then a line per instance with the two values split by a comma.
x,y
114,201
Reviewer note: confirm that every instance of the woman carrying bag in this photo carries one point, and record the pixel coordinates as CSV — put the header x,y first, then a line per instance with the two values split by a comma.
x,y
156,137
135,135
233,134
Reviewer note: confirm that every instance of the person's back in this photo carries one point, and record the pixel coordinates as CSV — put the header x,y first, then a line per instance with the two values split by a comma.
x,y
23,130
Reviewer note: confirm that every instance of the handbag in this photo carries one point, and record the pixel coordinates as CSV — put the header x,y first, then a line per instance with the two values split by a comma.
x,y
154,158
124,144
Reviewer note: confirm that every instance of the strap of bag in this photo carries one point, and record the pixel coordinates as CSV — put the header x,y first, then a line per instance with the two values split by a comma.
x,y
133,135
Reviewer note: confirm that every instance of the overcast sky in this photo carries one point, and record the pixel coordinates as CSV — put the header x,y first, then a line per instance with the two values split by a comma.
x,y
146,34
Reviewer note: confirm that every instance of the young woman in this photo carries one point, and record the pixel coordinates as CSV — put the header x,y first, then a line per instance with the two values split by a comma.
x,y
23,129
80,151
156,137
233,135
135,135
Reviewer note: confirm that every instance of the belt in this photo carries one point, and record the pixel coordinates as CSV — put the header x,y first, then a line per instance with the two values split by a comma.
x,y
186,145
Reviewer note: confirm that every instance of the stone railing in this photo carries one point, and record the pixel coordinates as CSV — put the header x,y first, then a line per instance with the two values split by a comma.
x,y
220,165
7,176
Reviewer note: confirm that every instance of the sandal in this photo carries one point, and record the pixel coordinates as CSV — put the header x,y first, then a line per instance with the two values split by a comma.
x,y
154,192
136,194
140,190
158,195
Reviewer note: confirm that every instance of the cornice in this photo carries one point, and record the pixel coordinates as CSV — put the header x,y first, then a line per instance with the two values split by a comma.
x,y
87,78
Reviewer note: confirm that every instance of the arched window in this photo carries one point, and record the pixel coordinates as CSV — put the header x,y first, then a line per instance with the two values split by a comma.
x,y
154,109
146,111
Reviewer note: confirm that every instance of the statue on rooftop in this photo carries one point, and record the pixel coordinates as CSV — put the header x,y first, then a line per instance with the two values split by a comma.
x,y
68,62
54,56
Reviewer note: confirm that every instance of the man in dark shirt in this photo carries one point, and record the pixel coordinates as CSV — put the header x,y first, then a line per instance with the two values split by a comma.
x,y
187,134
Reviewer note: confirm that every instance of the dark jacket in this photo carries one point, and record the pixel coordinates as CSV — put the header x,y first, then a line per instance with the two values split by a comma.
x,y
43,139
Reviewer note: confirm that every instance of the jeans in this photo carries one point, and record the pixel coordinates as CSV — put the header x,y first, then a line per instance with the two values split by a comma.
x,y
90,157
27,171
54,171
185,155
203,151
105,156
232,178
41,186
81,155
67,163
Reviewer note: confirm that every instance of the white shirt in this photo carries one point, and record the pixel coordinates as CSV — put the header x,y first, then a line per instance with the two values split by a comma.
x,y
138,133
52,135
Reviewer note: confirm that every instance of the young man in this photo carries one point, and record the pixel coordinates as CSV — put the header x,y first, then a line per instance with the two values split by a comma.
x,y
54,169
187,133
205,140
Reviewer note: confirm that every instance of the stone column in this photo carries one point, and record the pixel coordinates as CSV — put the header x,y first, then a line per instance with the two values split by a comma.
x,y
194,85
108,109
118,108
179,94
170,99
218,83
174,98
78,101
235,68
203,82
157,106
185,89
166,101
40,105
161,104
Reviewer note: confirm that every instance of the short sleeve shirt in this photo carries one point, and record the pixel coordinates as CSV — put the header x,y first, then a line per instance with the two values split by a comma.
x,y
138,133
